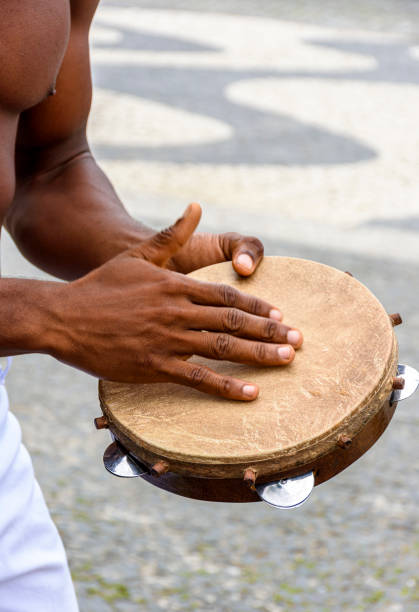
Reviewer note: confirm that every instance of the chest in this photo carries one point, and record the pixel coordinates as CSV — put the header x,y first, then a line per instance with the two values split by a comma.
x,y
33,40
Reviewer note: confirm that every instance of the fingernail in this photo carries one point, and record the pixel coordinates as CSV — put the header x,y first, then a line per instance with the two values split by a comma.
x,y
249,390
245,261
275,314
294,337
284,352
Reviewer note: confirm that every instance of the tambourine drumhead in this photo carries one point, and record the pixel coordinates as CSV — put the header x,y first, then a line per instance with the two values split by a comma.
x,y
337,384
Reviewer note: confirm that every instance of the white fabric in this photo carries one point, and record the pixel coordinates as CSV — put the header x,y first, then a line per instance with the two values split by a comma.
x,y
34,575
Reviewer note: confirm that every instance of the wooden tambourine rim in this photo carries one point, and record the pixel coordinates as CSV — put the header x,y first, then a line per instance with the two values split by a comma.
x,y
288,461
234,490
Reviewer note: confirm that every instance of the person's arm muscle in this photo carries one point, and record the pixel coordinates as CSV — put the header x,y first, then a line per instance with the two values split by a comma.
x,y
66,217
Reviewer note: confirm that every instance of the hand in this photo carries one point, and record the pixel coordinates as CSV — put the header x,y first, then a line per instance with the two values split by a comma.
x,y
201,250
133,321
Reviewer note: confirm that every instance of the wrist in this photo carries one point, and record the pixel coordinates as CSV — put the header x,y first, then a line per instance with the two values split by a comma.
x,y
29,312
126,235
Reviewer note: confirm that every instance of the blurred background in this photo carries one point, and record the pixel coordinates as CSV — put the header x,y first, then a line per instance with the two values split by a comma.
x,y
298,123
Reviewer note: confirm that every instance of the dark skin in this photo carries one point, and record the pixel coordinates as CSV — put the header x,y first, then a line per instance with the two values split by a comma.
x,y
128,312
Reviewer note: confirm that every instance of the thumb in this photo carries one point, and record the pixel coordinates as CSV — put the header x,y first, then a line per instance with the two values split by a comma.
x,y
162,246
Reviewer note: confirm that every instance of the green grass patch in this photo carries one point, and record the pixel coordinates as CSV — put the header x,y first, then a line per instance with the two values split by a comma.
x,y
374,597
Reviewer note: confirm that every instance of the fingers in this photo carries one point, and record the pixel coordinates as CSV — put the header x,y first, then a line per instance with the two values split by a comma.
x,y
206,380
246,252
215,294
239,323
230,348
162,246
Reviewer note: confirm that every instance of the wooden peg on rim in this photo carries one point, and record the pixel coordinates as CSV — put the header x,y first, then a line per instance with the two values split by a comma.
x,y
344,441
159,468
101,422
250,477
398,383
395,319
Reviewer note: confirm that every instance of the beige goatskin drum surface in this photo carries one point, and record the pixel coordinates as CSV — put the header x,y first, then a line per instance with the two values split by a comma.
x,y
338,380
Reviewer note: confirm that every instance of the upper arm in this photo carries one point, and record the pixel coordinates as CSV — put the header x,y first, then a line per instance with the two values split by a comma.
x,y
55,129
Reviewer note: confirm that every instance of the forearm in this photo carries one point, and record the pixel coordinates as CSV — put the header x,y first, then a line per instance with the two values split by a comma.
x,y
132,321
29,316
70,220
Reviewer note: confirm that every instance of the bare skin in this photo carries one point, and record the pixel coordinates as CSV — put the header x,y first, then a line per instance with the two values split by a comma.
x,y
65,217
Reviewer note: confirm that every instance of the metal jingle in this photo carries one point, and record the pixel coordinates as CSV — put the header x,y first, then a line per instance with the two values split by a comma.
x,y
411,383
287,492
120,463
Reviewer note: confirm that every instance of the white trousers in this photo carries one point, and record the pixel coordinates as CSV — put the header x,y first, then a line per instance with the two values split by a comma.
x,y
34,574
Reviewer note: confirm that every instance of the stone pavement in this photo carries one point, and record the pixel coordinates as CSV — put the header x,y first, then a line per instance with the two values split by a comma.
x,y
299,125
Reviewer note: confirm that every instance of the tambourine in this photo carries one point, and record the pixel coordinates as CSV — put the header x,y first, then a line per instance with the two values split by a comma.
x,y
311,420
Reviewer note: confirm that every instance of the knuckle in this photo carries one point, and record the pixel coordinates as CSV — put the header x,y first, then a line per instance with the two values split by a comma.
x,y
172,318
227,241
168,316
172,284
224,386
283,330
196,376
228,295
167,367
234,320
149,362
256,244
222,346
255,306
270,330
147,252
260,351
163,238
232,236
